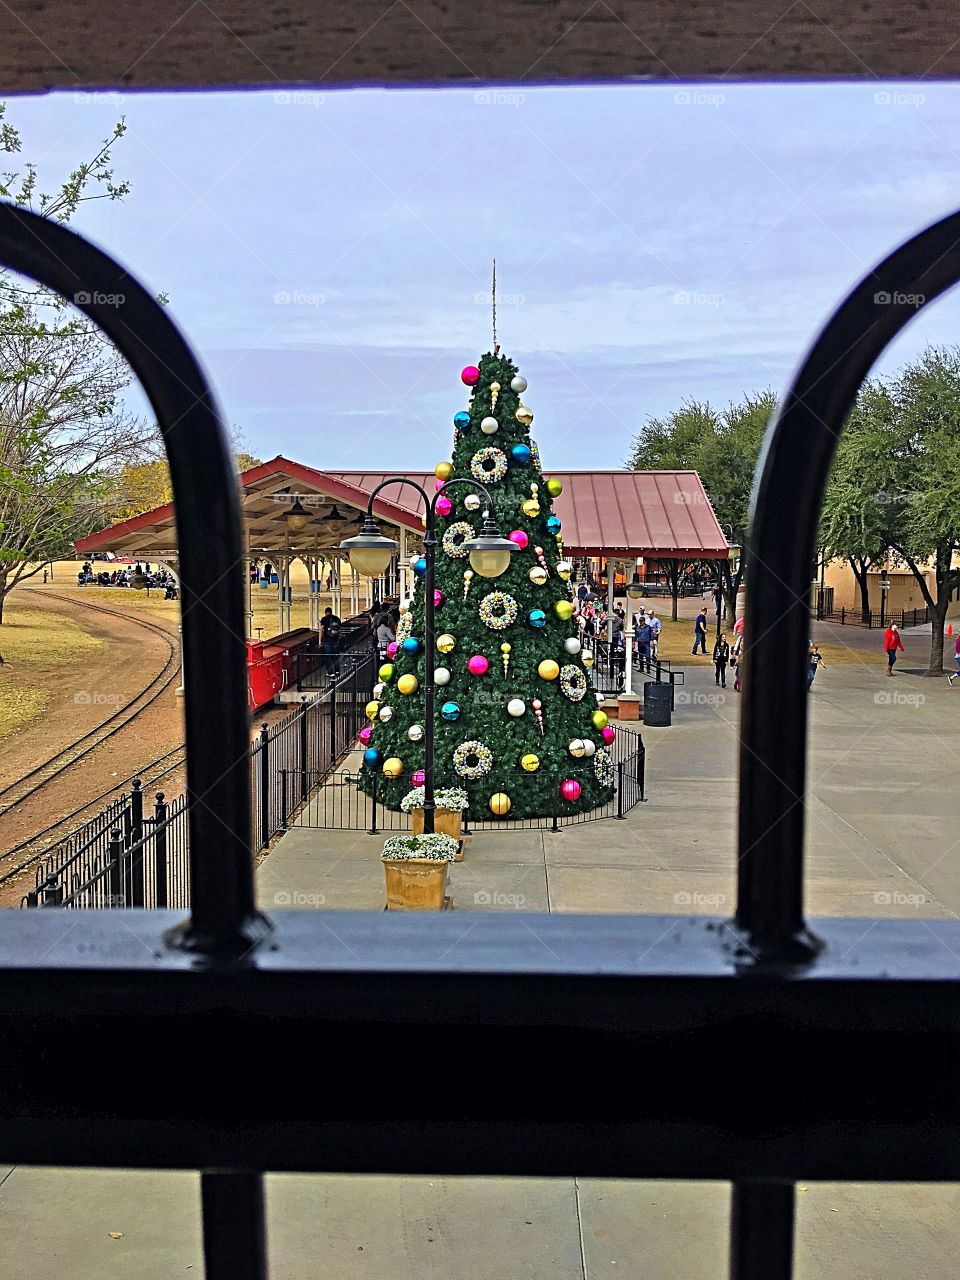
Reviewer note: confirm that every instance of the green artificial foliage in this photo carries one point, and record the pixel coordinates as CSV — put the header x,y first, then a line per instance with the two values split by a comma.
x,y
483,699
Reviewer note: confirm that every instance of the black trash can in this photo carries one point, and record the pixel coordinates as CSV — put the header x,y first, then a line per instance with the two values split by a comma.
x,y
656,704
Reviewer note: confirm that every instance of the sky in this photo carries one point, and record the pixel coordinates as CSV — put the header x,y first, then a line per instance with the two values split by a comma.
x,y
328,253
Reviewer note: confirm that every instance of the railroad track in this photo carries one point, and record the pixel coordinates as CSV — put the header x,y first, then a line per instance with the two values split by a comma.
x,y
48,770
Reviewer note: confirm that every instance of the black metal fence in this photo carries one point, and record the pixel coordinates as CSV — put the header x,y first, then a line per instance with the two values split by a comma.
x,y
874,618
337,803
123,857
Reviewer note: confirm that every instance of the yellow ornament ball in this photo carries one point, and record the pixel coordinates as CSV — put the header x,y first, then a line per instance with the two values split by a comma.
x,y
599,720
530,763
500,803
443,470
372,710
563,609
530,507
408,684
393,767
548,669
386,671
446,643
505,647
554,488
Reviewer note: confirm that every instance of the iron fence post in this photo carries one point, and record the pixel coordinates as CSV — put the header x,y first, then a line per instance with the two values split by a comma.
x,y
373,804
264,785
160,850
115,854
136,885
620,813
304,762
333,721
283,798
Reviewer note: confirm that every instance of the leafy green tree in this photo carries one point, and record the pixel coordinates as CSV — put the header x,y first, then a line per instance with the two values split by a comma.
x,y
516,715
860,506
723,447
927,412
63,427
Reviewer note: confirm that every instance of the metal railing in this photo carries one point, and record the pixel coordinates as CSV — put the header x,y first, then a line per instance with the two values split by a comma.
x,y
309,799
874,618
121,858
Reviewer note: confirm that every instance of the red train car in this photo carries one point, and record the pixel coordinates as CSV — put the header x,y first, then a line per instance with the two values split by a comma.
x,y
271,664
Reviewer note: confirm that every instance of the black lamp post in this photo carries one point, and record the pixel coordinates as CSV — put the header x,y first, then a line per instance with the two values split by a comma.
x,y
370,554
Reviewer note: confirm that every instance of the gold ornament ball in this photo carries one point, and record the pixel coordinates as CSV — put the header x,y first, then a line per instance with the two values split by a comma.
x,y
531,507
586,657
554,488
372,710
386,713
505,647
563,609
530,763
393,767
577,747
443,470
548,670
599,720
408,684
472,502
537,575
446,643
523,415
500,803
564,570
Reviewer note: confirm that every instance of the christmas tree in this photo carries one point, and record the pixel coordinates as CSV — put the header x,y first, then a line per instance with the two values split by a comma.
x,y
517,723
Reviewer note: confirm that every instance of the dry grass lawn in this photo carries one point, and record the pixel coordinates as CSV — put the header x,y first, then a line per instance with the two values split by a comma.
x,y
33,641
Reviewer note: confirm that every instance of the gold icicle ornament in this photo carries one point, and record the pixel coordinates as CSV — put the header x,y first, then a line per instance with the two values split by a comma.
x,y
505,653
467,579
494,392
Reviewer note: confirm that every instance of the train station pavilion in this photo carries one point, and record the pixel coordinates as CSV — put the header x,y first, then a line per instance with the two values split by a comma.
x,y
295,512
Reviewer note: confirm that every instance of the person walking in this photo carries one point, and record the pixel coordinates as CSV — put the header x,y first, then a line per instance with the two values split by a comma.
x,y
956,656
721,656
814,660
736,660
655,626
644,642
700,633
892,643
330,626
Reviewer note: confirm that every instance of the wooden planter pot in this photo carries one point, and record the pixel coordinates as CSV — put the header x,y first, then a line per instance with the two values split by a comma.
x,y
415,884
446,822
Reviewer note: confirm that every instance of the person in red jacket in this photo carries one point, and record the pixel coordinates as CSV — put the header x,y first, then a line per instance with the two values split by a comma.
x,y
956,651
892,642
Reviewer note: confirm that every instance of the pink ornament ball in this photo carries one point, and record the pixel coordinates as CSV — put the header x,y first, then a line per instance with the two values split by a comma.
x,y
418,778
608,733
364,734
438,485
470,376
444,506
392,649
438,598
570,789
520,538
478,665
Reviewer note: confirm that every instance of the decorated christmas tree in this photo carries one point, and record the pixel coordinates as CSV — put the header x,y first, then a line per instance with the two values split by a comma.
x,y
517,722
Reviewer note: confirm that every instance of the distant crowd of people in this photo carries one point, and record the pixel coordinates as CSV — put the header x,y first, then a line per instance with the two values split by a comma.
x,y
123,577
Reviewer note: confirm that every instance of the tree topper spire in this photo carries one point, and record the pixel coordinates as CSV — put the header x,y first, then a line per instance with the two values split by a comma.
x,y
493,298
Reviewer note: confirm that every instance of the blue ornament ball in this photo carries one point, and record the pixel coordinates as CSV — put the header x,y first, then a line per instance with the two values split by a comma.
x,y
411,645
521,454
553,524
461,420
537,618
419,567
372,757
450,711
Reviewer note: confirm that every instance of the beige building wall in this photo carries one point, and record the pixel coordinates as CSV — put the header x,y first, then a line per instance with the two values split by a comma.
x,y
904,590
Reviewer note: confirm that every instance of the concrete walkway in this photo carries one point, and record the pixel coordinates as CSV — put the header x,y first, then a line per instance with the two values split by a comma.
x,y
882,839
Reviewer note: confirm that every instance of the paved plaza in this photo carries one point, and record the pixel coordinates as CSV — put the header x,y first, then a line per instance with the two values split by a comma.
x,y
882,840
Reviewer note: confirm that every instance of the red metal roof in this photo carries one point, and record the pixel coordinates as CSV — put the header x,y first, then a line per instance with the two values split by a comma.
x,y
636,513
626,513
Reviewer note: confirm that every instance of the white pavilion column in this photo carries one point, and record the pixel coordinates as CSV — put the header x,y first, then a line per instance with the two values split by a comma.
x,y
247,586
404,586
611,573
336,586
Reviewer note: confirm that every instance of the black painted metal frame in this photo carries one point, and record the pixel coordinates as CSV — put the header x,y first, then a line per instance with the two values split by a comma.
x,y
759,1050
